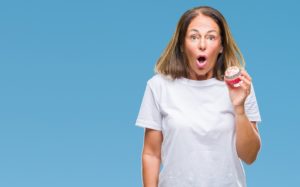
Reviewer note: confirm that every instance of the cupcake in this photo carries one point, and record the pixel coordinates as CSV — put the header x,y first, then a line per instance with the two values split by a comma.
x,y
232,76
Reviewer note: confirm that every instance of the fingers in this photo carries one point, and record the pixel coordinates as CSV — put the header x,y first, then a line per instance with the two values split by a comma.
x,y
245,74
245,81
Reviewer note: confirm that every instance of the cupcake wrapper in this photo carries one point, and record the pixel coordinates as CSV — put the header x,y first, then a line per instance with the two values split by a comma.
x,y
234,81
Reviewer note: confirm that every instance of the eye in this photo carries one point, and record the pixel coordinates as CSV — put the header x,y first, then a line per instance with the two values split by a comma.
x,y
194,37
211,37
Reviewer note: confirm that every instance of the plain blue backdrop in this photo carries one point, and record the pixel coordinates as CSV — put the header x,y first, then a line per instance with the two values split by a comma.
x,y
73,73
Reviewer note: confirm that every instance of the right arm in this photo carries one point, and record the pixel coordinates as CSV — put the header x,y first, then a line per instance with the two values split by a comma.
x,y
151,157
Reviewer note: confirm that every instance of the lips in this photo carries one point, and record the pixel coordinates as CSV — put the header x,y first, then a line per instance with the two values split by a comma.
x,y
201,61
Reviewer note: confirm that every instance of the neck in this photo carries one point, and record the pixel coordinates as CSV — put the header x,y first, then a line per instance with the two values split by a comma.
x,y
194,76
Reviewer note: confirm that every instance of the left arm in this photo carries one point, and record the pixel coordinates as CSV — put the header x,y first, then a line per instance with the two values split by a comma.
x,y
247,135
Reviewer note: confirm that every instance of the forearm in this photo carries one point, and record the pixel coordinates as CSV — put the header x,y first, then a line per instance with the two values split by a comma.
x,y
247,137
151,167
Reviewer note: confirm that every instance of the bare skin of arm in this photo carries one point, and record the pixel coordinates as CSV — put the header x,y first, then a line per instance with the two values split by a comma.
x,y
151,157
247,139
247,136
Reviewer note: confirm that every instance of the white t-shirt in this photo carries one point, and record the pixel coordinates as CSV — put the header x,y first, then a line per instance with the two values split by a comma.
x,y
197,122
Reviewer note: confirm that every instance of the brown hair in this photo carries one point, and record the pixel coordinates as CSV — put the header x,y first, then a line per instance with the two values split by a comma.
x,y
173,61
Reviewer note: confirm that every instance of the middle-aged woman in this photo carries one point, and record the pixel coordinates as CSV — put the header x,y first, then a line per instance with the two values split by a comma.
x,y
197,127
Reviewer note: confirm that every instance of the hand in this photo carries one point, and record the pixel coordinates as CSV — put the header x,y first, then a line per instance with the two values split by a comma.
x,y
239,94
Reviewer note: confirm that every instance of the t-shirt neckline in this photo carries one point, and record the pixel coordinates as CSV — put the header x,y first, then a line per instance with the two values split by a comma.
x,y
198,83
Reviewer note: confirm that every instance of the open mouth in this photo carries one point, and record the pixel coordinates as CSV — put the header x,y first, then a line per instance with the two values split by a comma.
x,y
201,61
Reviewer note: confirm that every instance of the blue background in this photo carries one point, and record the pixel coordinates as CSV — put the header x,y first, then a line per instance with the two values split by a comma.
x,y
73,73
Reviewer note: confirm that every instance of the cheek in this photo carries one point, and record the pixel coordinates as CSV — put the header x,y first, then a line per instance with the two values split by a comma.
x,y
215,50
189,52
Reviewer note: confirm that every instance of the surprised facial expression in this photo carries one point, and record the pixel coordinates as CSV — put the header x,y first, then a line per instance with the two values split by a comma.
x,y
202,45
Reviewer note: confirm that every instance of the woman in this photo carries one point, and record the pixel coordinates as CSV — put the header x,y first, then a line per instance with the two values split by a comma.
x,y
197,127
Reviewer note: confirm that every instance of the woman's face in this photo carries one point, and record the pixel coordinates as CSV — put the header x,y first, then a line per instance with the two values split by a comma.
x,y
202,46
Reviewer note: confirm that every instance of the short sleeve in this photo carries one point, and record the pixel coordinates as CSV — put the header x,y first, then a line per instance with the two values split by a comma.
x,y
149,115
251,107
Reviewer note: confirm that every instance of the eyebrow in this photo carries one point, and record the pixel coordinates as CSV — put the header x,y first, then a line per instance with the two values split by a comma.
x,y
207,31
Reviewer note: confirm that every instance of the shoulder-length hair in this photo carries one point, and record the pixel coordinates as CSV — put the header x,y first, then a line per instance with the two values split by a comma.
x,y
173,61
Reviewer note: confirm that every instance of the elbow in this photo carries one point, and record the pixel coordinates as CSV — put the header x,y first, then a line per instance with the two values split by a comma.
x,y
146,155
250,160
251,156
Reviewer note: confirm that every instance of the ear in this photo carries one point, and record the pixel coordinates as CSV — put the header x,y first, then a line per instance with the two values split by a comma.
x,y
221,50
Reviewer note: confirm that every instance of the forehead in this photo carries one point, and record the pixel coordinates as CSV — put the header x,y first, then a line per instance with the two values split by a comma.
x,y
203,23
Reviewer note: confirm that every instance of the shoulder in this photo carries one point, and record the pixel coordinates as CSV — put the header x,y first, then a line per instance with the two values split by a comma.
x,y
159,84
159,80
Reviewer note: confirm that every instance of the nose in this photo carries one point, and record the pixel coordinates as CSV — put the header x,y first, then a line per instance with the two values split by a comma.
x,y
202,45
